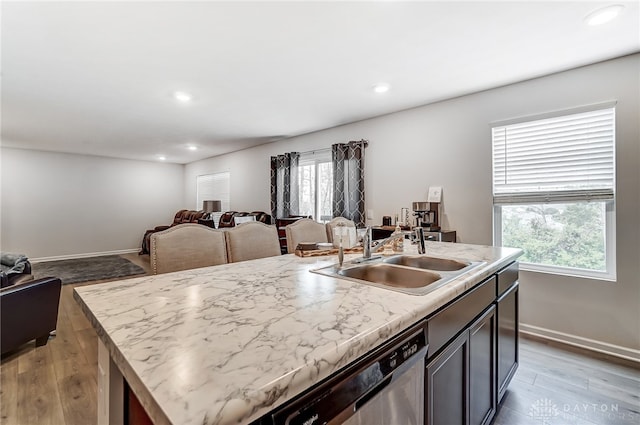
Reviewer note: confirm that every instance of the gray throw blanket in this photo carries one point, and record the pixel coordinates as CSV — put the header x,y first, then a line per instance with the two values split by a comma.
x,y
13,263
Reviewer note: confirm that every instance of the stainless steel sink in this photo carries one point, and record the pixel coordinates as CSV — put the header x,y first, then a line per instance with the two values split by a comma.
x,y
426,262
410,274
389,275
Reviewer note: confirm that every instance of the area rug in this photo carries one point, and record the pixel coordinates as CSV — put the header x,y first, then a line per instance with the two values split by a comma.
x,y
86,269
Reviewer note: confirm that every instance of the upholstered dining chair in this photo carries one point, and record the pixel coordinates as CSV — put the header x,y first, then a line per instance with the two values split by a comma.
x,y
304,230
187,246
337,222
251,240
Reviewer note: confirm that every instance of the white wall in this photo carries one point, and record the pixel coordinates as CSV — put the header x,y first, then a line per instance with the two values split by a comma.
x,y
449,144
57,205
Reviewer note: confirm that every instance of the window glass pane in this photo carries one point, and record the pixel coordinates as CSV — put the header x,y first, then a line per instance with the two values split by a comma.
x,y
567,235
315,194
325,191
307,189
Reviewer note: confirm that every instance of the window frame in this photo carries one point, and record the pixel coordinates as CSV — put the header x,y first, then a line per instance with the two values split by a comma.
x,y
609,274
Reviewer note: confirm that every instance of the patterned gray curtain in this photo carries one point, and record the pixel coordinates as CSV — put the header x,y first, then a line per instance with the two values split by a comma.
x,y
284,185
348,180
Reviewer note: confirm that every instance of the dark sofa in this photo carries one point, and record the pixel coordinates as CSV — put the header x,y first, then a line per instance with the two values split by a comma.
x,y
228,218
190,216
28,310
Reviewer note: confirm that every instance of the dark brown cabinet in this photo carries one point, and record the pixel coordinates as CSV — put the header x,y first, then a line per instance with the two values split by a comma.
x,y
482,369
446,384
473,352
381,232
507,338
461,380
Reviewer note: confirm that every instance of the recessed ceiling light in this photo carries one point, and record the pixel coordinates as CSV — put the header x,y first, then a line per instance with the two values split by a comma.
x,y
381,88
162,158
182,97
192,148
603,15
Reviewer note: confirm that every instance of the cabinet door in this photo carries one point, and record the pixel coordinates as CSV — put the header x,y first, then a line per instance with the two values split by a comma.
x,y
446,385
482,369
507,338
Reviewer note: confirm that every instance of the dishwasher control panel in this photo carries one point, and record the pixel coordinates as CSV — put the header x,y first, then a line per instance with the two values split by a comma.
x,y
399,355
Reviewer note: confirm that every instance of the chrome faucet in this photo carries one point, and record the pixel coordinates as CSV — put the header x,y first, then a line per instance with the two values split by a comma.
x,y
366,243
417,234
340,248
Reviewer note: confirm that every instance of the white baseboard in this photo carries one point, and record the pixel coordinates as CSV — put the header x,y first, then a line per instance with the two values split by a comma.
x,y
586,343
86,255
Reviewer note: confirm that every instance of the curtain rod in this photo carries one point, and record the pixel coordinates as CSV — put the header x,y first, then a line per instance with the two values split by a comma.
x,y
313,152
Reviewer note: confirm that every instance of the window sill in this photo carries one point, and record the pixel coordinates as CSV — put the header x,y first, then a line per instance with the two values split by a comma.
x,y
569,272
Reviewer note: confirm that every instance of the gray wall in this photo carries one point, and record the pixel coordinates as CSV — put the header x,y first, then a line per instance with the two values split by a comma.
x,y
449,144
56,205
63,205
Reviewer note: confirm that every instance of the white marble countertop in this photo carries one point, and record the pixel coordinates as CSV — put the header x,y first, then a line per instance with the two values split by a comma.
x,y
227,344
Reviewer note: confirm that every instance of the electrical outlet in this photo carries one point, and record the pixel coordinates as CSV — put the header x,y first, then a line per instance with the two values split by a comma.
x,y
369,214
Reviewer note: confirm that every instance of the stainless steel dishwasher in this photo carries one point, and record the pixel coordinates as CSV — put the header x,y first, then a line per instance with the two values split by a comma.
x,y
386,387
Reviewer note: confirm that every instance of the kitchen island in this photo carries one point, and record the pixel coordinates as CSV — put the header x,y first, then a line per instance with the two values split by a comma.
x,y
228,344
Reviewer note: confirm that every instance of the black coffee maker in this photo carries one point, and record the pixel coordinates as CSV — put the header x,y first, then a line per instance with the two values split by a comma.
x,y
427,215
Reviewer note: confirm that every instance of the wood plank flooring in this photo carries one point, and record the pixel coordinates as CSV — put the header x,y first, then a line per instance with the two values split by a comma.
x,y
555,385
562,385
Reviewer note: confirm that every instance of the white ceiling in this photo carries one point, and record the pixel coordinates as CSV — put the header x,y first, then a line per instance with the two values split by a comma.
x,y
97,77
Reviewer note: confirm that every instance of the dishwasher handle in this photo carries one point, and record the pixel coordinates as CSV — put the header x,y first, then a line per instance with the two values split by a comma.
x,y
368,396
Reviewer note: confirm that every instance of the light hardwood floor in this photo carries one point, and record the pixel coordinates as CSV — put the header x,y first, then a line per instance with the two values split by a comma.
x,y
555,385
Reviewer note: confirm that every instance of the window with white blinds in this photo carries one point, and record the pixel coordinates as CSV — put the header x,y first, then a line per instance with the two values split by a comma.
x,y
553,191
559,159
214,187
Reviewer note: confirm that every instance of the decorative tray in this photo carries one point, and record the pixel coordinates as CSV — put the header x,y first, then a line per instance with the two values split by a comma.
x,y
319,252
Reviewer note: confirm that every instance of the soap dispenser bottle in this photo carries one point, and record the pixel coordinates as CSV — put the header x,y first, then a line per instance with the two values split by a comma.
x,y
398,241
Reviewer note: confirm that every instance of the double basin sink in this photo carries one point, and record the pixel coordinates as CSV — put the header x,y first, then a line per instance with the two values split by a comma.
x,y
410,274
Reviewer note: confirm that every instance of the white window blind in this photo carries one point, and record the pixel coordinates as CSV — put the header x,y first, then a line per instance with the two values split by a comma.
x,y
214,187
565,158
